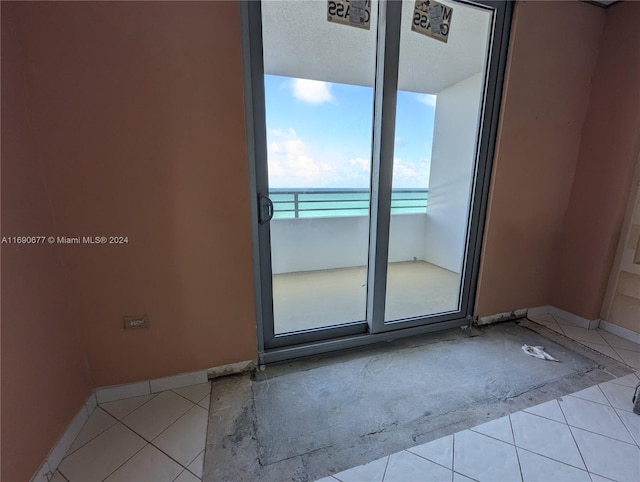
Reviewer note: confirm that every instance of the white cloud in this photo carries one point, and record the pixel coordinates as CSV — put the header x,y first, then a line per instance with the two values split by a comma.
x,y
361,164
291,165
427,99
311,91
410,174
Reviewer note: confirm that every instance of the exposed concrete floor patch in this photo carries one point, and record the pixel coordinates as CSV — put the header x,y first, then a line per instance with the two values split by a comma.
x,y
303,420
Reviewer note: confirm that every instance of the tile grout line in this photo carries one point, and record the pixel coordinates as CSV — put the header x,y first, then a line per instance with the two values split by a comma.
x,y
624,360
150,442
202,452
491,436
617,352
470,478
386,466
198,402
540,323
206,432
515,448
69,452
61,475
118,467
453,454
609,406
605,436
637,442
453,474
424,458
153,395
601,476
176,421
171,457
574,439
615,410
610,346
542,416
552,459
621,384
127,460
626,340
592,401
165,429
560,326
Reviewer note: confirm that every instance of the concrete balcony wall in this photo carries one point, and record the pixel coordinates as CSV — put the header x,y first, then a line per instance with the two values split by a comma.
x,y
454,142
309,244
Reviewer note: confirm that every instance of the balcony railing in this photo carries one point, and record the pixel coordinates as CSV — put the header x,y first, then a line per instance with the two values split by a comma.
x,y
306,203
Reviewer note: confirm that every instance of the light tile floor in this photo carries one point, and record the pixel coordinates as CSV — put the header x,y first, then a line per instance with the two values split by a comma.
x,y
155,438
592,435
606,343
589,436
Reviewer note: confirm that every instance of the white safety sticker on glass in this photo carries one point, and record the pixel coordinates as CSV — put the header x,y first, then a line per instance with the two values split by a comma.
x,y
432,19
356,13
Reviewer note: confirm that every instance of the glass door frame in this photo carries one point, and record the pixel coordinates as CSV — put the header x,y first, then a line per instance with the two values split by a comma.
x,y
274,347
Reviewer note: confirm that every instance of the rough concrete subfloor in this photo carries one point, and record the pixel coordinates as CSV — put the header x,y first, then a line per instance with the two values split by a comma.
x,y
304,420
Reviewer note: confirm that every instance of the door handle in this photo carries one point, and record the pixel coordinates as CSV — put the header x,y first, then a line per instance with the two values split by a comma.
x,y
265,209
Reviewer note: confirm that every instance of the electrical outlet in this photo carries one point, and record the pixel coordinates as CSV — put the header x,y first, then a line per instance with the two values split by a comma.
x,y
136,321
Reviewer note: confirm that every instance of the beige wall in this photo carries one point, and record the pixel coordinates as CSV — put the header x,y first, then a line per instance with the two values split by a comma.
x,y
44,375
138,109
552,56
118,119
608,153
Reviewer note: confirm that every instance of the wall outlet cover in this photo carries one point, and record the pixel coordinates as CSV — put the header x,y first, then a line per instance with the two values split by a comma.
x,y
134,322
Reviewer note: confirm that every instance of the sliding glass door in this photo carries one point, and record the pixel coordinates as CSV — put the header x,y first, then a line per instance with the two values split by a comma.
x,y
370,129
318,116
439,100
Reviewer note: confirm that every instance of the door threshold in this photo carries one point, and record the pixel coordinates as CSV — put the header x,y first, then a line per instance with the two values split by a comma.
x,y
345,343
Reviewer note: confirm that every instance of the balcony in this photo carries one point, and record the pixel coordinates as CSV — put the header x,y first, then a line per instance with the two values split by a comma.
x,y
320,241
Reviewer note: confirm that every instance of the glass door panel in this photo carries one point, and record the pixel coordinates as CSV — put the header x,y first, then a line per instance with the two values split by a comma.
x,y
439,102
318,88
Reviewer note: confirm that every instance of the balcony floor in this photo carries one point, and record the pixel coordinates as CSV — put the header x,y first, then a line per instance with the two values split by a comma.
x,y
312,299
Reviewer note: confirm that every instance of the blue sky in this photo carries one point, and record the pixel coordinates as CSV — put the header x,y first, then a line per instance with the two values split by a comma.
x,y
319,134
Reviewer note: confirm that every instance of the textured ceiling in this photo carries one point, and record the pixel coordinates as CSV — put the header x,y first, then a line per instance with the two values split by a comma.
x,y
300,42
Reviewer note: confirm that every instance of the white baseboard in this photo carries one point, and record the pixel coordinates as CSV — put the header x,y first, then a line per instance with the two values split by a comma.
x,y
178,381
146,387
620,331
575,319
118,392
61,447
586,323
539,310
